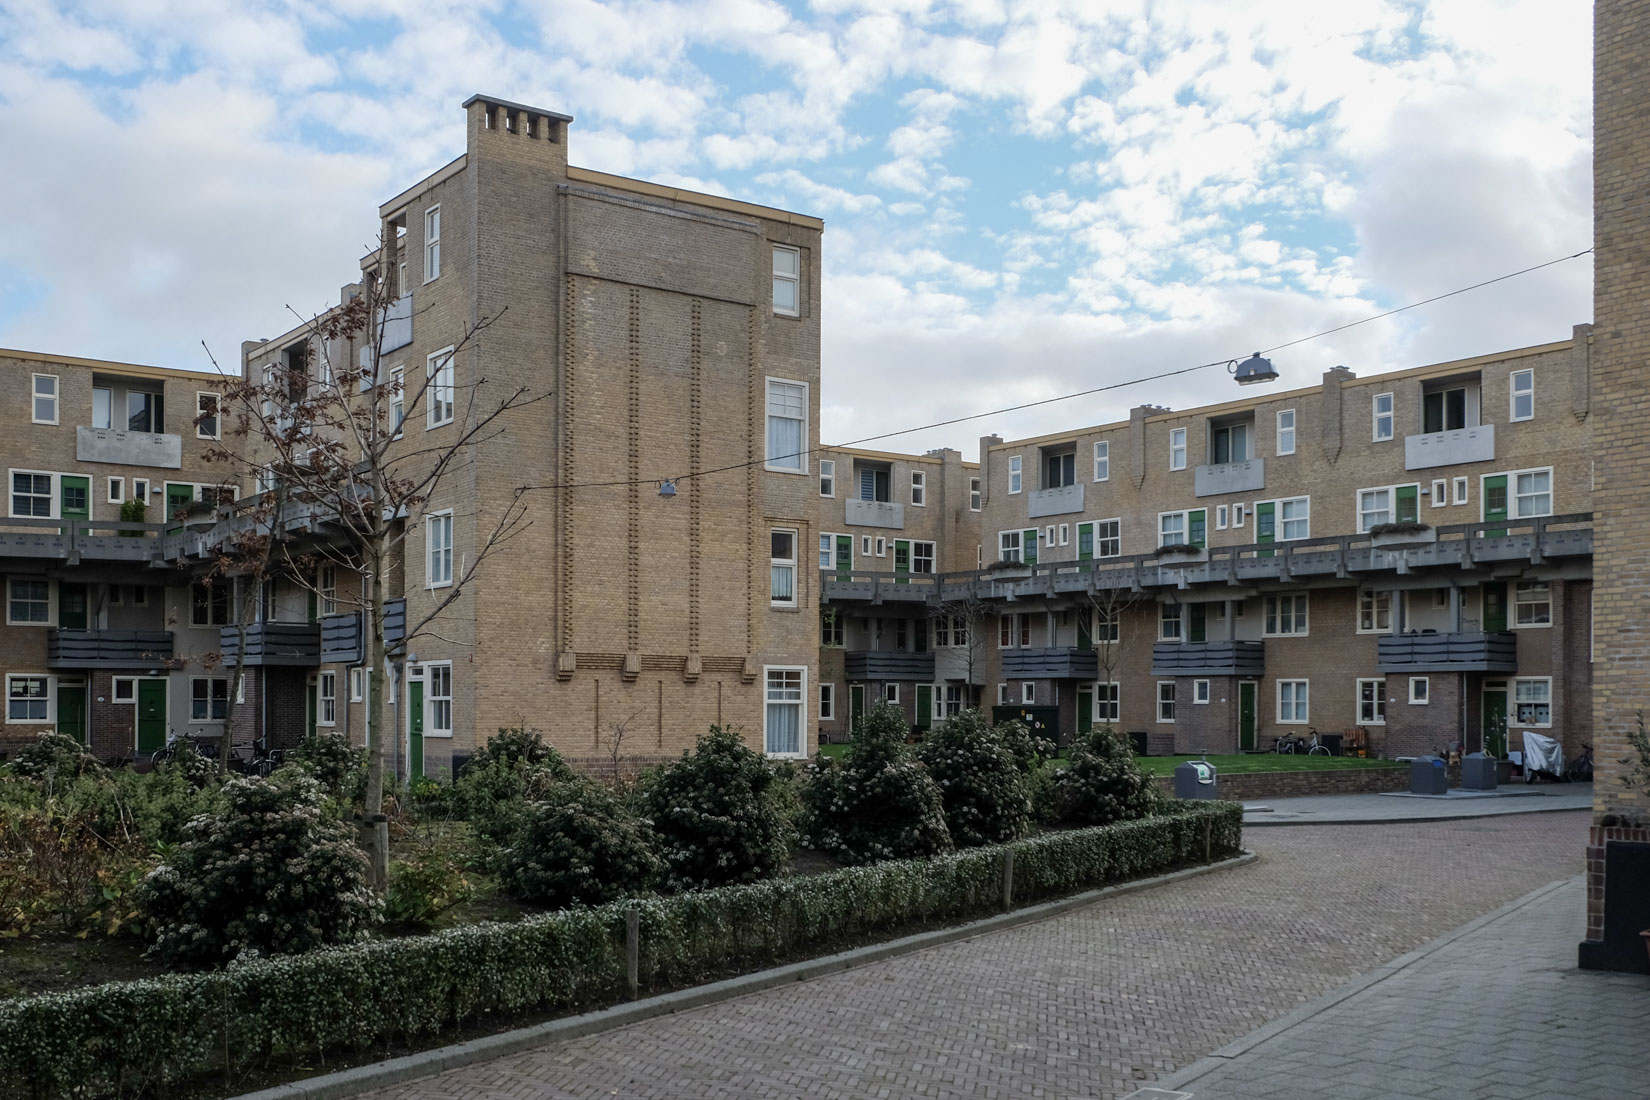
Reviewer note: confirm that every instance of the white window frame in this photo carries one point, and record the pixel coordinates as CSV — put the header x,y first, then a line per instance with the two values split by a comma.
x,y
827,702
827,478
769,700
1016,474
1300,704
1284,519
1002,695
49,683
1423,697
1515,391
1388,510
974,497
326,699
1544,623
881,546
1220,517
792,277
439,404
890,693
35,397
217,414
358,684
1028,693
1440,493
1177,448
435,671
919,488
1285,432
1106,705
123,689
1545,681
801,457
1115,540
326,590
432,243
211,698
1102,460
1048,536
1376,716
1010,543
924,555
1065,534
115,490
53,499
1162,529
1369,617
398,402
1165,703
1272,615
1515,498
1240,512
228,605
1170,614
51,602
1200,693
438,570
782,566
1461,490
1376,417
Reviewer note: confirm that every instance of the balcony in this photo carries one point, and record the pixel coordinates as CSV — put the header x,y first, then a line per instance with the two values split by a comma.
x,y
396,319
343,641
1063,501
107,648
1448,653
129,448
875,513
1423,452
1208,658
889,664
1054,663
271,644
1230,477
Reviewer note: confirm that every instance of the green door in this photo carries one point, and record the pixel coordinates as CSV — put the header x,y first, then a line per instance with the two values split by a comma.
x,y
1495,503
1266,526
415,729
1028,546
1246,715
71,709
1495,720
312,688
1197,527
1495,608
178,498
856,705
72,606
1408,504
902,561
75,497
925,705
1085,542
1085,632
844,556
151,716
1197,629
1085,710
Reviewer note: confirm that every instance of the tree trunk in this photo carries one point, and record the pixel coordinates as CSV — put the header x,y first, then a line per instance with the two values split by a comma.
x,y
375,832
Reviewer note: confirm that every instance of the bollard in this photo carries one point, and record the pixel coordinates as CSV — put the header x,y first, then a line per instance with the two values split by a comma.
x,y
633,951
1008,878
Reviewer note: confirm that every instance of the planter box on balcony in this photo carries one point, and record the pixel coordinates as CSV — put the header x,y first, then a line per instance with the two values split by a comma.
x,y
1182,555
1396,536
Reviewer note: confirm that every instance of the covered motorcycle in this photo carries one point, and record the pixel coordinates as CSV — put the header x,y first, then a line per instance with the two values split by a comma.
x,y
1544,755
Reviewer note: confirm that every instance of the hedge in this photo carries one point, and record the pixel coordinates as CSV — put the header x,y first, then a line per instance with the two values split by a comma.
x,y
269,1013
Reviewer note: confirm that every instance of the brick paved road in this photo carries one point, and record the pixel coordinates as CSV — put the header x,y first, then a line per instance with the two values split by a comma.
x,y
1086,1005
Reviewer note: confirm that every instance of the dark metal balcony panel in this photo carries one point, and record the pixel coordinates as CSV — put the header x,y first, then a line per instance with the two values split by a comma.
x,y
118,648
875,588
341,640
34,538
294,644
877,664
395,622
1208,659
1057,663
1447,653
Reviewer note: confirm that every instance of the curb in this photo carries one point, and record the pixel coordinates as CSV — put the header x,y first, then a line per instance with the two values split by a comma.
x,y
1256,822
428,1063
1184,1078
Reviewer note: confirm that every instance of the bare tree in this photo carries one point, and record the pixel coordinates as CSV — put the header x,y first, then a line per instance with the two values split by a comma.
x,y
615,744
965,607
1112,628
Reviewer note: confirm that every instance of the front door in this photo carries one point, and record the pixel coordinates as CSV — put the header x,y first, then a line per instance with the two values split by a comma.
x,y
1495,503
415,729
1085,710
178,499
1266,526
1246,715
75,497
902,560
1197,623
925,706
1495,719
72,607
856,706
151,716
312,688
1495,607
71,709
844,557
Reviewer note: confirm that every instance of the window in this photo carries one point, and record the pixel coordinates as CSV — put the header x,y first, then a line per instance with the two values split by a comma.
x,y
1532,604
782,568
787,425
1296,515
209,604
1440,493
787,281
1168,622
1372,702
145,412
890,693
1374,508
398,401
438,368
1521,396
1221,514
1014,474
1460,490
881,547
1292,701
357,684
1383,417
438,700
1418,691
1374,612
1239,514
432,243
1108,537
326,588
1013,630
1065,534
1285,615
1533,494
31,495
827,483
922,557
1059,469
45,399
973,494
1102,461
125,689
1165,701
919,487
1200,692
831,629
1177,448
206,416
117,490
438,550
1106,708
1440,599
873,480
28,698
827,702
103,407
782,719
1028,693
1229,443
1008,546
29,603
827,555
1444,410
1048,535
208,698
1286,432
1533,700
948,701
1182,528
1107,621
1002,695
326,700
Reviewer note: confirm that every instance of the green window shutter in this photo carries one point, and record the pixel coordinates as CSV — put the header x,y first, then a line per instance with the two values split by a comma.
x,y
902,557
1197,527
844,556
1408,509
1266,526
1028,546
1085,541
1495,502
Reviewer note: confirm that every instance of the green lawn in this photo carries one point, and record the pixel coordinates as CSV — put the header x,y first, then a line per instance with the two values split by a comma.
x,y
1232,764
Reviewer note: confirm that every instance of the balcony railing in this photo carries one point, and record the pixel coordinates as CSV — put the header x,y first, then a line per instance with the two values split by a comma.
x,y
107,648
73,540
875,513
1050,663
886,664
1230,477
343,641
1066,500
1423,452
1224,658
1447,653
267,644
129,448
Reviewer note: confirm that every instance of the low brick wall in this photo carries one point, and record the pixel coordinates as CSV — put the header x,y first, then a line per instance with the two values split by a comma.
x,y
1251,786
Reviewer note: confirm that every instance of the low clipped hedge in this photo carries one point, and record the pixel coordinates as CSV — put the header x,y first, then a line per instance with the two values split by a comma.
x,y
274,1012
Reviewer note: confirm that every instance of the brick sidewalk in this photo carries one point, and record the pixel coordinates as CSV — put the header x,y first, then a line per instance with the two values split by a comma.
x,y
1091,1004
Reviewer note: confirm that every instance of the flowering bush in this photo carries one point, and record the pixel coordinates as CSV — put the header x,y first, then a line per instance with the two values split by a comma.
x,y
1029,750
430,880
334,763
54,757
267,872
713,816
877,802
579,847
186,760
515,745
1103,783
987,800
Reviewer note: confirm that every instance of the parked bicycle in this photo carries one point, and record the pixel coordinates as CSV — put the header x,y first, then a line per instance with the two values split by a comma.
x,y
255,757
1581,769
1292,743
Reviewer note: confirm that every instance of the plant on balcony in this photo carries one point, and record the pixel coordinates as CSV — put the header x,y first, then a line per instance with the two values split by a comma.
x,y
1012,568
983,785
877,801
1384,530
133,511
714,817
1103,783
579,847
1171,549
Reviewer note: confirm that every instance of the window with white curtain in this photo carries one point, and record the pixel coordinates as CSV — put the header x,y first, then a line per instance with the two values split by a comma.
x,y
787,425
782,719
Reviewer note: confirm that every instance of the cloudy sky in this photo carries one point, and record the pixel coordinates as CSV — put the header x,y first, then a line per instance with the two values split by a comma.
x,y
1023,198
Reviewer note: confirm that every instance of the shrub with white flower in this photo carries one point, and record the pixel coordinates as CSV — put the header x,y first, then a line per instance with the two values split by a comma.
x,y
878,802
579,847
987,798
714,816
1103,783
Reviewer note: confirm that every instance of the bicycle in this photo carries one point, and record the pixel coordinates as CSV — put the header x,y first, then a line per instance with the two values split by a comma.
x,y
1581,769
1293,743
256,757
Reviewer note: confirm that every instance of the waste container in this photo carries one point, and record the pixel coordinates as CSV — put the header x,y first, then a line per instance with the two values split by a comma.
x,y
1427,775
1478,772
1194,779
1137,740
1332,742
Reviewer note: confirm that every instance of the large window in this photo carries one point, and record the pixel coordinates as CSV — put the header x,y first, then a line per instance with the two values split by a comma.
x,y
1013,630
1372,702
782,717
326,589
438,699
1296,518
1008,546
1444,410
782,567
438,550
1165,701
1182,528
1059,469
1102,461
1229,443
1177,448
1533,604
208,698
787,281
438,399
1374,612
922,557
45,399
1521,395
31,495
28,698
1107,708
1382,410
1533,493
145,412
787,425
1533,700
432,243
1286,614
1388,504
831,631
209,604
326,699
1293,703
1286,432
1015,474
1107,624
206,416
950,631
29,602
1169,625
